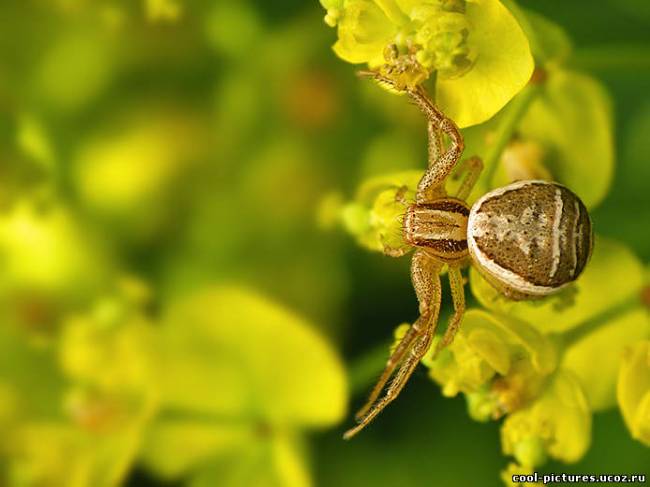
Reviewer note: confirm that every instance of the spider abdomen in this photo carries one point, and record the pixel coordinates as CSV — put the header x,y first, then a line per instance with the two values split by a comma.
x,y
529,238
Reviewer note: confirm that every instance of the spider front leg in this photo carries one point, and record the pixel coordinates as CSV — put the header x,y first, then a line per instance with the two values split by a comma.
x,y
425,272
441,161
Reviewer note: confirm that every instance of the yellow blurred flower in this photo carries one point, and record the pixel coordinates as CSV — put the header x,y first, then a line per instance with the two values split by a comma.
x,y
45,249
47,254
241,377
112,354
163,10
78,421
633,391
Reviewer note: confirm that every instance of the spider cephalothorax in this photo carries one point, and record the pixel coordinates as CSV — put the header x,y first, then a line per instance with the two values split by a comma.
x,y
528,239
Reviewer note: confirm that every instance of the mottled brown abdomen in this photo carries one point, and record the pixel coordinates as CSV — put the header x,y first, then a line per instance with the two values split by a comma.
x,y
531,236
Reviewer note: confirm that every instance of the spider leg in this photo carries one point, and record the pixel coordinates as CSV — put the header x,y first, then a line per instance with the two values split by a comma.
x,y
458,297
426,281
417,352
472,167
435,143
423,273
441,161
396,357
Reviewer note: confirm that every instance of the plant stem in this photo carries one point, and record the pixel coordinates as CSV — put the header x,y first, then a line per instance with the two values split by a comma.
x,y
507,126
589,326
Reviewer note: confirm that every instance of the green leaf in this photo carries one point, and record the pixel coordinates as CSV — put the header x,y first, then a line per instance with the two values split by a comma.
x,y
613,276
76,67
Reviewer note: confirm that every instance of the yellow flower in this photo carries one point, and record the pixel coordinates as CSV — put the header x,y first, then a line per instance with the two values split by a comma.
x,y
364,32
375,215
613,276
479,53
599,315
633,391
608,342
500,364
558,424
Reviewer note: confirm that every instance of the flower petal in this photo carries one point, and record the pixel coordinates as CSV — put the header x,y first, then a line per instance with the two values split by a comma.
x,y
633,391
503,66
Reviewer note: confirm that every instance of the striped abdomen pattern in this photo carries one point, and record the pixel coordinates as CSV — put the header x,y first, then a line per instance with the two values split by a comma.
x,y
531,236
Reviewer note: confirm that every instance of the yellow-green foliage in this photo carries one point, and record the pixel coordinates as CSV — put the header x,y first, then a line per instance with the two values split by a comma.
x,y
242,407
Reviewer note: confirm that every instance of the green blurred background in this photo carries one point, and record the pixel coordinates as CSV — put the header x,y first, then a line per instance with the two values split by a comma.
x,y
171,145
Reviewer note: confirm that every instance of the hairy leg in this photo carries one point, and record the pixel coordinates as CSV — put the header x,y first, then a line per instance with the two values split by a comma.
x,y
424,275
422,344
426,281
458,297
441,161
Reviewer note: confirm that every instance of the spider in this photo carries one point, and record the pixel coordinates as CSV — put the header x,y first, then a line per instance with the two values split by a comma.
x,y
528,240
